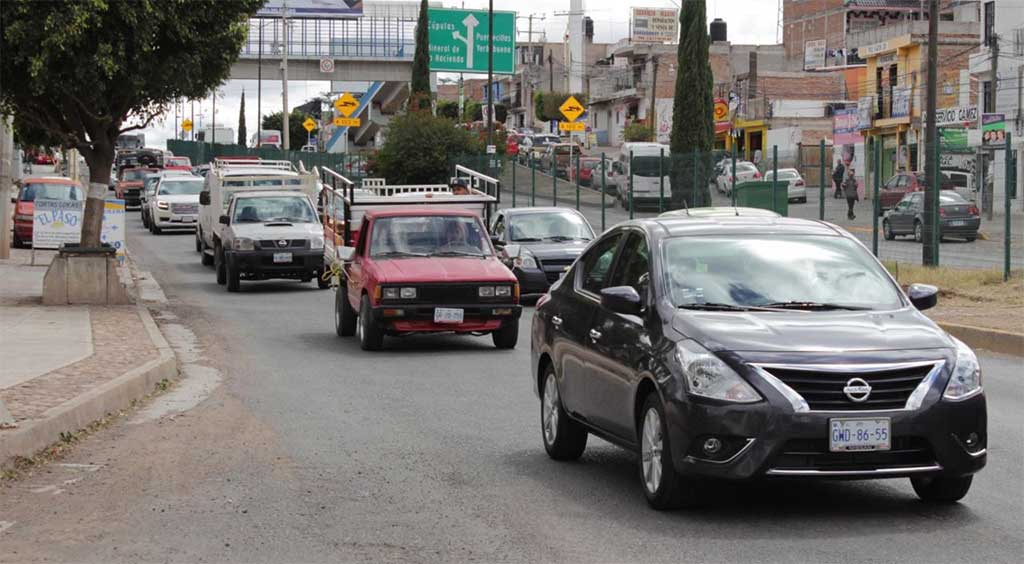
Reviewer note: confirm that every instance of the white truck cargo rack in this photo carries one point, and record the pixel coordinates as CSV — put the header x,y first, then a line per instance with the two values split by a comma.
x,y
224,163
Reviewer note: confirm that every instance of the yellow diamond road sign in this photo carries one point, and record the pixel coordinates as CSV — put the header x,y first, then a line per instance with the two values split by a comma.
x,y
186,124
571,108
346,104
347,122
309,124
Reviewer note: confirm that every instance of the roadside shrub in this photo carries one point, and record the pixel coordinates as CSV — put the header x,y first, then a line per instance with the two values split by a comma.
x,y
417,147
637,132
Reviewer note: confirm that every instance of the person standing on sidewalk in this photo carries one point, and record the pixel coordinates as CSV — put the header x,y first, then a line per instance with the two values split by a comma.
x,y
837,178
850,192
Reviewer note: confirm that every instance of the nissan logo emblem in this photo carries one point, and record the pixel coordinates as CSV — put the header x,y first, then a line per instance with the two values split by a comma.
x,y
857,390
282,243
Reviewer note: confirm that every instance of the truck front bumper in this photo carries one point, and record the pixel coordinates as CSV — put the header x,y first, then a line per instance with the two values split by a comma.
x,y
266,264
419,318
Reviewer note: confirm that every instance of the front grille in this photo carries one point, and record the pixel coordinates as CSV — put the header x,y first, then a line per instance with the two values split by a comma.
x,y
449,294
813,454
554,268
288,243
823,390
184,209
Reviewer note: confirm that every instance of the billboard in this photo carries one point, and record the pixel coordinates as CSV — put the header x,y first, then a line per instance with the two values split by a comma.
x,y
655,25
993,129
845,129
814,54
958,115
312,9
459,41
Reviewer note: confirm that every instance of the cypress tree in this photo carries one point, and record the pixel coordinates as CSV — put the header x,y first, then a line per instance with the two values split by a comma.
x,y
241,121
693,127
420,90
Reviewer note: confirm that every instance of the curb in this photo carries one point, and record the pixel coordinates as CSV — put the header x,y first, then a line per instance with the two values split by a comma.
x,y
988,339
79,412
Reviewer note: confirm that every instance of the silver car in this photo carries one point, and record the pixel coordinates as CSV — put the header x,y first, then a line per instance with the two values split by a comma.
x,y
796,186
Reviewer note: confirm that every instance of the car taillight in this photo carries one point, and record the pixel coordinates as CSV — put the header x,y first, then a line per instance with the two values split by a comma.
x,y
973,210
942,212
799,183
757,174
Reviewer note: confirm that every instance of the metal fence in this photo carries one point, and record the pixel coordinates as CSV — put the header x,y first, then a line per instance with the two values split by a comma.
x,y
369,37
351,165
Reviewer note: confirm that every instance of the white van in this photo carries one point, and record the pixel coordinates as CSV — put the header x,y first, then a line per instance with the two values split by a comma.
x,y
647,186
228,176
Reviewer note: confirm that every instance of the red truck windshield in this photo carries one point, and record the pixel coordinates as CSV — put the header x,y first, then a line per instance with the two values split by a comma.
x,y
428,236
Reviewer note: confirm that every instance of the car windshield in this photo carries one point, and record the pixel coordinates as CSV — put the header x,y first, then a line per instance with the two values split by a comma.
x,y
432,235
554,226
786,175
587,164
763,271
151,182
263,209
181,187
958,180
748,167
648,165
179,161
545,139
950,197
46,191
135,175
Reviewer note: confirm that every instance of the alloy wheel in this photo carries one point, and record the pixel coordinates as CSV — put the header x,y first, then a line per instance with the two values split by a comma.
x,y
651,445
550,413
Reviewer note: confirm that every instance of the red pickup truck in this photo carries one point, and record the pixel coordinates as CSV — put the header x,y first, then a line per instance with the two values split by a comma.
x,y
419,262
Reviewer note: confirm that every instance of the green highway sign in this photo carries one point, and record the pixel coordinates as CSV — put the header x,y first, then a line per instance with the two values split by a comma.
x,y
458,41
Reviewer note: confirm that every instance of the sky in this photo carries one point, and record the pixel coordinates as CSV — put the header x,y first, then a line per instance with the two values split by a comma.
x,y
749,21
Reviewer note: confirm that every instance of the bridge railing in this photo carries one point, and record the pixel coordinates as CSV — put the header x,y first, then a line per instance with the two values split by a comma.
x,y
369,37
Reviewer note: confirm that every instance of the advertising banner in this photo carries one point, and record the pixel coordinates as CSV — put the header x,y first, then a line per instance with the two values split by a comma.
x,y
655,25
112,231
959,115
814,54
865,108
845,130
312,8
55,222
993,129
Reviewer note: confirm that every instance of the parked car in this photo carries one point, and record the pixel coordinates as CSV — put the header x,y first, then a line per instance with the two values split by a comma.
x,y
899,184
536,145
174,203
558,158
270,234
35,188
721,211
957,217
795,183
538,244
651,179
178,163
715,347
745,171
43,159
590,171
963,183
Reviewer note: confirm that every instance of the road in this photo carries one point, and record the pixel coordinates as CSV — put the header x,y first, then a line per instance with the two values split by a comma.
x,y
313,450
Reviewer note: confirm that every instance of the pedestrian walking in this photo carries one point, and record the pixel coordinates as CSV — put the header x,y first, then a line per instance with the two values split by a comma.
x,y
838,173
850,192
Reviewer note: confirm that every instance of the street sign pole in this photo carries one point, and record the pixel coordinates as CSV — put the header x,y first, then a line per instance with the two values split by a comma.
x,y
490,74
821,180
1008,177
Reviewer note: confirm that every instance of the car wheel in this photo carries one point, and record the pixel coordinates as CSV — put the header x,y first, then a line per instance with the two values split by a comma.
x,y
371,338
887,231
145,220
507,336
564,438
970,238
218,265
234,282
344,316
941,489
321,282
206,258
16,241
918,231
156,230
199,242
663,487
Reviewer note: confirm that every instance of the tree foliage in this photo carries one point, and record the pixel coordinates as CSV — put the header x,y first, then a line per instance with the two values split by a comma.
x,y
84,72
448,109
241,121
546,104
295,121
693,127
418,146
419,97
637,132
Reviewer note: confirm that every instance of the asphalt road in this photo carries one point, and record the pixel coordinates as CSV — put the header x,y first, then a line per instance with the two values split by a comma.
x,y
313,450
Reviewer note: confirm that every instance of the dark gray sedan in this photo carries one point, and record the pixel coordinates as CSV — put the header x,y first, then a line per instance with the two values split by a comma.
x,y
957,217
539,243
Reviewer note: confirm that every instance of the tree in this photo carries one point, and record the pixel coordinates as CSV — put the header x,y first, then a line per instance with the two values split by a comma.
x,y
419,97
241,121
87,71
693,127
448,109
637,132
418,147
295,121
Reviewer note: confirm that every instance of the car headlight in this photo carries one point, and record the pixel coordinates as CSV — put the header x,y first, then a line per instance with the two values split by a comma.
x,y
163,205
396,293
316,243
525,260
503,291
707,376
965,381
407,293
243,244
23,217
486,291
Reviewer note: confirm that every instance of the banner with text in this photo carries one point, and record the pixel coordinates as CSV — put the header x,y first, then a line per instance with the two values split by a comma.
x,y
655,25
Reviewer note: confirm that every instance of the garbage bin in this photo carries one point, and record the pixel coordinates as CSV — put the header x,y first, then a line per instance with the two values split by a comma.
x,y
758,194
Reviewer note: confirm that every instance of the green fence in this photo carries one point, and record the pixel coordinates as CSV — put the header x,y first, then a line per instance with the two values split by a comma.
x,y
351,166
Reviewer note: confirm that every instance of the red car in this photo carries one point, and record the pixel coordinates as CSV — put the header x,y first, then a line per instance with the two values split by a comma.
x,y
512,145
178,163
43,159
39,188
424,270
588,165
129,185
902,183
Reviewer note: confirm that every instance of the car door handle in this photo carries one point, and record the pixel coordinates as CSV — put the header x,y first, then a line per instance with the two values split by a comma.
x,y
595,334
556,321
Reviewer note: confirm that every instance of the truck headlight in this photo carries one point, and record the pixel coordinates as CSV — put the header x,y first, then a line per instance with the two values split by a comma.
x,y
316,243
707,376
486,291
525,260
243,244
503,291
407,293
163,205
965,381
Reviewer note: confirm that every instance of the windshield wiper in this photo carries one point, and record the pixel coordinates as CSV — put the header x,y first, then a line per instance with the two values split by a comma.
x,y
248,220
711,306
456,254
391,254
795,304
564,238
526,240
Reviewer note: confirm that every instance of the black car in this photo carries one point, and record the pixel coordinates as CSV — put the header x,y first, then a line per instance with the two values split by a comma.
x,y
538,244
957,217
742,347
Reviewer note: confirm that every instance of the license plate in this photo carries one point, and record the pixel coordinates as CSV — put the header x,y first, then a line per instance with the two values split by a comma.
x,y
859,434
188,219
448,315
957,223
282,257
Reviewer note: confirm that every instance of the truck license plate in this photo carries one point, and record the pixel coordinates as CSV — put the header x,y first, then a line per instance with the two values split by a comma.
x,y
957,223
448,315
859,434
188,219
282,257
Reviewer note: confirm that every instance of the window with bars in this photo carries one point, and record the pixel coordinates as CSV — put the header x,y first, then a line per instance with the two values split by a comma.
x,y
990,22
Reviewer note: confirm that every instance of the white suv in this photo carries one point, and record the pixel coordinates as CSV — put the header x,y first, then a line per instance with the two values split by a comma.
x,y
174,203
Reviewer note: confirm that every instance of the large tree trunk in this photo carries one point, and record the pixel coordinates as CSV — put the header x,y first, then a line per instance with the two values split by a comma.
x,y
99,161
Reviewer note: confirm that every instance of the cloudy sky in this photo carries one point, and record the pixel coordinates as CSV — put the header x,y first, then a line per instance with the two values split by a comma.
x,y
749,21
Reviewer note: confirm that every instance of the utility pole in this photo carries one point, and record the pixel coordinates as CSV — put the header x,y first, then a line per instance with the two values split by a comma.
x,y
490,73
213,116
259,88
284,77
551,73
654,90
931,195
988,200
6,180
528,73
193,132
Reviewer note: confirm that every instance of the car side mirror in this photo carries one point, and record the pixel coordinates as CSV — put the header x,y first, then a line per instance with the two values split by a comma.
x,y
223,220
621,299
923,296
204,198
345,254
496,241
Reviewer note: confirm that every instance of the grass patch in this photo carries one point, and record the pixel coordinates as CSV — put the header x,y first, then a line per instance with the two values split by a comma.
x,y
985,285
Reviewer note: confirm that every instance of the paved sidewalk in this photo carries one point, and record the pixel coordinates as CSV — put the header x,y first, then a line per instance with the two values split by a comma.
x,y
62,367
